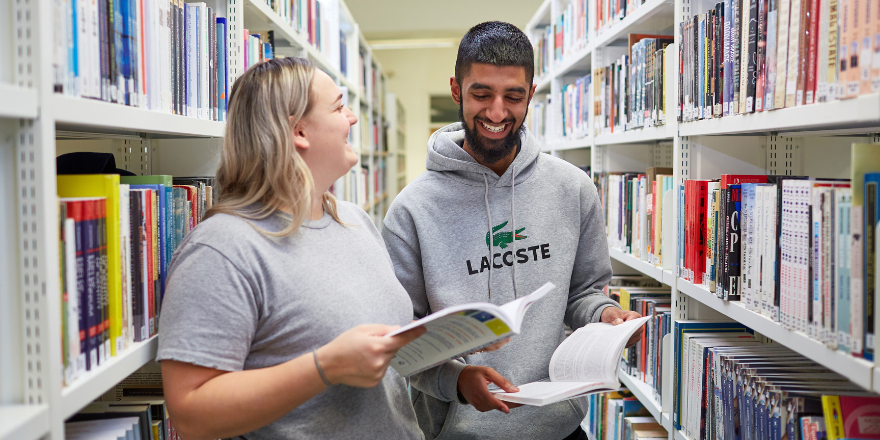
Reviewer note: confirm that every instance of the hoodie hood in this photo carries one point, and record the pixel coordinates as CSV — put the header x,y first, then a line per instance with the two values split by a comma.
x,y
445,154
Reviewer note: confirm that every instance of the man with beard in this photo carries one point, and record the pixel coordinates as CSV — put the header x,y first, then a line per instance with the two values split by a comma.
x,y
493,219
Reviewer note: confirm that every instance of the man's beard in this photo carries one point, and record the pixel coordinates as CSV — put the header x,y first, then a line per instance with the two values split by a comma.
x,y
490,151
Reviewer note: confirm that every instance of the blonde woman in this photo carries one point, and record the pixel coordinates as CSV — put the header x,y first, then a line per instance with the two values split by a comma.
x,y
276,305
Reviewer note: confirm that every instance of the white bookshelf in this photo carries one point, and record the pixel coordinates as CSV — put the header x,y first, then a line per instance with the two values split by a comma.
x,y
34,124
808,140
24,422
93,384
17,102
644,393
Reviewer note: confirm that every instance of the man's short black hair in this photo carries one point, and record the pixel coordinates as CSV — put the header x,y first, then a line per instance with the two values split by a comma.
x,y
496,43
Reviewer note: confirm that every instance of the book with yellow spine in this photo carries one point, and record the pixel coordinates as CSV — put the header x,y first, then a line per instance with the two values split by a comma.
x,y
107,186
833,422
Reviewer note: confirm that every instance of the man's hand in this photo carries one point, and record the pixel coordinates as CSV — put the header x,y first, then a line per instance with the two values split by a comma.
x,y
491,347
614,316
473,384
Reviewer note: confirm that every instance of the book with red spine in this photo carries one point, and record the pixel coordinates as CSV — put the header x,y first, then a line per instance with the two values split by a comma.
x,y
701,199
736,179
812,59
148,221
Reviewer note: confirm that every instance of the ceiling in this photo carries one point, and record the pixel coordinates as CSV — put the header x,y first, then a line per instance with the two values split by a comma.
x,y
419,19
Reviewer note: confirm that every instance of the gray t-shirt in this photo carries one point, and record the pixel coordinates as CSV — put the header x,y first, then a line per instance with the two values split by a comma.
x,y
238,300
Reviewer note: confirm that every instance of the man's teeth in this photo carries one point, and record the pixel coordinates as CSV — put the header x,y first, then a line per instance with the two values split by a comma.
x,y
494,128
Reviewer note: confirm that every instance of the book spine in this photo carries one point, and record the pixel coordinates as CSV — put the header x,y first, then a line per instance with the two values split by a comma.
x,y
761,54
752,67
870,194
734,249
93,312
102,272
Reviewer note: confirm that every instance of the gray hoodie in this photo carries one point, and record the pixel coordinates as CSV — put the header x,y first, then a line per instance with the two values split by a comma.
x,y
547,226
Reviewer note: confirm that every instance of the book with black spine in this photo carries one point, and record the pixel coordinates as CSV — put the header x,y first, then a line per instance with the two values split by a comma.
x,y
752,68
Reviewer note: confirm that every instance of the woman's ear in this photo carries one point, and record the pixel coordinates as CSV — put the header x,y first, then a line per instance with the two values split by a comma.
x,y
300,139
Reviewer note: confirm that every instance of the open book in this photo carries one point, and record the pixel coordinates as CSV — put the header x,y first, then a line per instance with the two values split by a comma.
x,y
456,331
586,362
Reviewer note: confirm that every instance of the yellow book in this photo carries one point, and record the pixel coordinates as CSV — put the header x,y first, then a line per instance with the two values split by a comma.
x,y
156,424
154,322
107,186
833,420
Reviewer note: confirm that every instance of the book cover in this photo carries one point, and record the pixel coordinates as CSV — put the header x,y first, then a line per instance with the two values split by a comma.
x,y
865,159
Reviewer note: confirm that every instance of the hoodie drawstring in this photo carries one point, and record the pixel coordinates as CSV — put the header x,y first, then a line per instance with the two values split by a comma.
x,y
491,238
512,224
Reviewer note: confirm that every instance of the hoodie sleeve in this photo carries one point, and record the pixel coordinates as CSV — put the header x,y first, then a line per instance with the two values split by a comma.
x,y
592,267
440,382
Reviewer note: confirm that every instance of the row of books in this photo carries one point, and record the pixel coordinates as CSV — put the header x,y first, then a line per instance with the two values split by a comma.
x,y
729,385
619,415
634,211
643,360
611,12
574,98
800,251
127,52
566,35
744,57
630,93
117,236
258,47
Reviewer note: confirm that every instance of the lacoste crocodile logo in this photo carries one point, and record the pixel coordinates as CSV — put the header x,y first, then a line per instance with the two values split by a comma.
x,y
502,239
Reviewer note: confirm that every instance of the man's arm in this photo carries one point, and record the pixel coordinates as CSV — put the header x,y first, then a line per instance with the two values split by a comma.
x,y
592,267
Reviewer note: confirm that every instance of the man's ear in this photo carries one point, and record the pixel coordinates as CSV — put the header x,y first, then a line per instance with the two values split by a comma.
x,y
532,92
299,134
456,90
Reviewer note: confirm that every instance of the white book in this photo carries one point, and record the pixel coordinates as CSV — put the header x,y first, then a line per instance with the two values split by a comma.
x,y
204,86
486,324
75,359
125,256
643,219
768,270
746,197
586,362
95,50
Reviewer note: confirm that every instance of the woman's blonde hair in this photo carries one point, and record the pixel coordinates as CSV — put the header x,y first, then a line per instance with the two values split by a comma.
x,y
260,170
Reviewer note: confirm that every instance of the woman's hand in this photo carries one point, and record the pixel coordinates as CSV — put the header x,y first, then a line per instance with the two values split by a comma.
x,y
360,356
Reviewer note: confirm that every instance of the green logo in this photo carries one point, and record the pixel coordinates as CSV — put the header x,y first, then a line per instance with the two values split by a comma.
x,y
502,239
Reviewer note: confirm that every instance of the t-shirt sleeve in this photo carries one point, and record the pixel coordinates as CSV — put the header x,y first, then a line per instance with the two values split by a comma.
x,y
210,312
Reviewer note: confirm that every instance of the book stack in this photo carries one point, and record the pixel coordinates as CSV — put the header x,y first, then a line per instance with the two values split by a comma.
x,y
729,385
620,416
122,52
117,238
801,251
759,55
634,211
630,92
564,36
575,102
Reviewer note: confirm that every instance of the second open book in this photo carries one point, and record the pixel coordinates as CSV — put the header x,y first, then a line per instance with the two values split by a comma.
x,y
586,362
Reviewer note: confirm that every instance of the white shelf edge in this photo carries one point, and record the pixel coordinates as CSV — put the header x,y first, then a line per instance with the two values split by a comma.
x,y
95,383
862,111
621,28
99,114
647,134
540,13
24,422
680,435
666,422
643,392
644,267
584,142
18,102
859,371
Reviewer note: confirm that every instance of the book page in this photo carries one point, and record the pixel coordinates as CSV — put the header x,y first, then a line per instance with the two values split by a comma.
x,y
515,310
448,337
592,353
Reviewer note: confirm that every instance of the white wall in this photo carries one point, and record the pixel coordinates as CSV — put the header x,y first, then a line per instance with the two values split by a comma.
x,y
414,75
